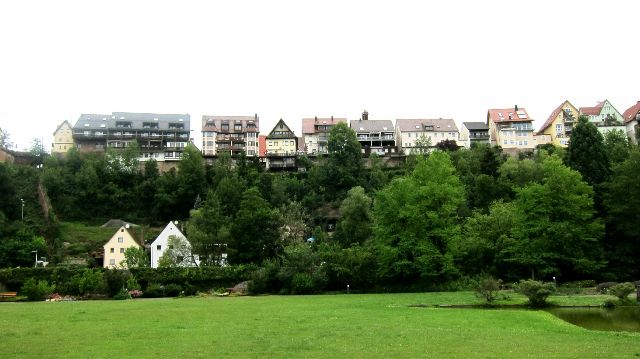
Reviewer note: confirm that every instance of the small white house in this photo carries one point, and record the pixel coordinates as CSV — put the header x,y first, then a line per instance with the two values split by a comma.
x,y
161,245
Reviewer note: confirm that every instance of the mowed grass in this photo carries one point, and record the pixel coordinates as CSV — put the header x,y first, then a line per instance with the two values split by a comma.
x,y
323,326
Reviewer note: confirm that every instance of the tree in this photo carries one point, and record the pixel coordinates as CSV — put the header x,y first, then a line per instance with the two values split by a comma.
x,y
617,146
422,146
208,230
622,204
178,254
294,227
416,219
38,152
191,179
254,233
354,226
558,233
135,257
587,154
447,145
5,139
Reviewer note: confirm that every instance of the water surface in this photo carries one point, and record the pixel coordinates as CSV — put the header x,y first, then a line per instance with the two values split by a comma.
x,y
614,319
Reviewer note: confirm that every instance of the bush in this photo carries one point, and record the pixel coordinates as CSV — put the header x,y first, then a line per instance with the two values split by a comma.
x,y
604,287
488,289
301,283
536,291
154,291
36,290
622,290
122,295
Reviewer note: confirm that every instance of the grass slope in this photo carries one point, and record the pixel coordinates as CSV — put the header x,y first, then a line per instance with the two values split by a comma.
x,y
354,326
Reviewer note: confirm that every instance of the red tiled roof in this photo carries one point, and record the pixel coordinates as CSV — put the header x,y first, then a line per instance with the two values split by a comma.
x,y
630,114
516,116
552,117
308,124
592,111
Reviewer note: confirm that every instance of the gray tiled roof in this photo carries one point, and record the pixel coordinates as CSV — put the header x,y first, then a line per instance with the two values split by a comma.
x,y
212,123
96,121
476,125
417,125
371,125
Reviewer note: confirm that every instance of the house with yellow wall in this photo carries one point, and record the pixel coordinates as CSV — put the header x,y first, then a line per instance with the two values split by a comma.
x,y
116,246
560,124
62,138
511,128
281,140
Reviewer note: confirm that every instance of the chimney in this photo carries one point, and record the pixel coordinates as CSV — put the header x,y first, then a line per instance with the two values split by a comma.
x,y
331,118
365,115
516,108
256,117
316,118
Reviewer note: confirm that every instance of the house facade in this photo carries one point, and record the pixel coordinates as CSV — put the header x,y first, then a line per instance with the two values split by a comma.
x,y
231,134
411,134
315,134
162,137
474,132
62,139
604,116
511,128
375,136
631,119
115,247
560,124
161,245
281,147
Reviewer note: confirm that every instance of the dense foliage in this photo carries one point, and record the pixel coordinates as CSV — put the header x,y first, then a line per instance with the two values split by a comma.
x,y
439,219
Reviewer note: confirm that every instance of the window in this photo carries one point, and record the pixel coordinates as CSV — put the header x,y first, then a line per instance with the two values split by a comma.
x,y
112,250
159,247
112,262
506,142
275,143
121,250
120,239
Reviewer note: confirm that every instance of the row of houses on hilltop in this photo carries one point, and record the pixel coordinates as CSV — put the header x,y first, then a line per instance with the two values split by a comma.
x,y
163,137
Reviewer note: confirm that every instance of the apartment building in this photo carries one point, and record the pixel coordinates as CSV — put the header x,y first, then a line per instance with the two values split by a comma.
x,y
411,135
511,128
375,136
162,137
231,134
560,124
474,133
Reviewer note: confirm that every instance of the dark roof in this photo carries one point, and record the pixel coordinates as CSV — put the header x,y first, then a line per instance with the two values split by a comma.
x,y
417,125
98,121
212,123
371,125
117,223
475,125
308,124
286,131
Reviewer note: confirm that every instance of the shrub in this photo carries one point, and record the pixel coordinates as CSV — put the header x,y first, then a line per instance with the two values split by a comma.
x,y
536,291
135,293
488,289
172,290
301,283
36,290
622,290
122,295
154,291
604,287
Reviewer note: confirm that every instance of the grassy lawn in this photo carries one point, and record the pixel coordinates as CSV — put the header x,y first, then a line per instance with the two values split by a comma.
x,y
361,326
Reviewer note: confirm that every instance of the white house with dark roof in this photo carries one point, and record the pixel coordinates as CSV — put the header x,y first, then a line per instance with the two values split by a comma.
x,y
161,244
473,132
410,131
375,136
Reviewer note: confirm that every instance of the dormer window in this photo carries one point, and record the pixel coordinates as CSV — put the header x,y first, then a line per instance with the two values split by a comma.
x,y
176,126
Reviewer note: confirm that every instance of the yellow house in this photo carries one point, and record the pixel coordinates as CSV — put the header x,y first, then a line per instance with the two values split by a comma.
x,y
282,141
62,138
115,247
560,123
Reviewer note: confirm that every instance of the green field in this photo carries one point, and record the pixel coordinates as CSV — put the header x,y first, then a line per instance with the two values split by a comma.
x,y
342,326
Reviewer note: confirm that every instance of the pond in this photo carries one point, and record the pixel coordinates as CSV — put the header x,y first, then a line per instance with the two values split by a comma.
x,y
614,319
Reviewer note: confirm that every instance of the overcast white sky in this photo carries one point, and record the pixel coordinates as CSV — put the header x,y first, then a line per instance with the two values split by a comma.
x,y
295,59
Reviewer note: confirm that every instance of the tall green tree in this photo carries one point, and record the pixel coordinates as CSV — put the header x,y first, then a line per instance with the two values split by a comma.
x,y
356,220
208,230
416,217
191,179
254,233
622,203
587,154
617,145
559,234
